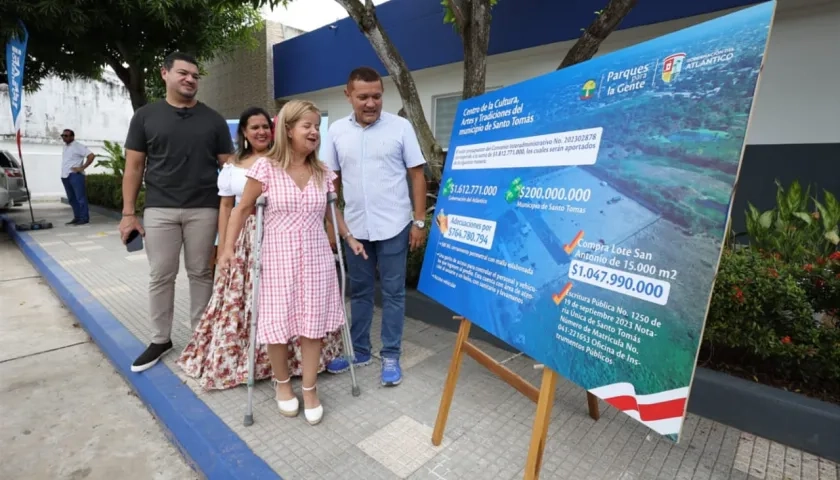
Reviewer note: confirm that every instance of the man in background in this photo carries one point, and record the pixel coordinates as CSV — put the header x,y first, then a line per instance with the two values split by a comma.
x,y
180,143
75,158
371,151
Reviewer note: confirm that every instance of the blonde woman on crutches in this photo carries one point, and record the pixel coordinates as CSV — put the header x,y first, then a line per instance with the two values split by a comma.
x,y
298,292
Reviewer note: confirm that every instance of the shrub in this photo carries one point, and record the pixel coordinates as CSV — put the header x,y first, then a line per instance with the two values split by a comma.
x,y
795,229
114,159
774,307
761,320
415,259
105,190
821,281
756,302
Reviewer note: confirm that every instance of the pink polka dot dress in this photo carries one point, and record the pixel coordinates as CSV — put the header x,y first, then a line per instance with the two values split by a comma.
x,y
299,293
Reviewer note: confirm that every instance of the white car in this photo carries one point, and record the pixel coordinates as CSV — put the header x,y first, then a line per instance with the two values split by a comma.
x,y
15,184
5,198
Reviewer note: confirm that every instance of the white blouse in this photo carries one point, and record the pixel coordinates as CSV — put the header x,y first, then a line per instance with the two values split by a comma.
x,y
232,181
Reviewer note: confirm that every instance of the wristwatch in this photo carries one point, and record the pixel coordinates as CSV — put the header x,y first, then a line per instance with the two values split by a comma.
x,y
420,224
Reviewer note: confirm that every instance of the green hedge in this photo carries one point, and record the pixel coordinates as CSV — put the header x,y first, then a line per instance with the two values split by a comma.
x,y
105,190
774,312
762,324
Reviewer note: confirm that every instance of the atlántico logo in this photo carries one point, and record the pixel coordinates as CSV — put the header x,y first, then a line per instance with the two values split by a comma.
x,y
588,89
672,66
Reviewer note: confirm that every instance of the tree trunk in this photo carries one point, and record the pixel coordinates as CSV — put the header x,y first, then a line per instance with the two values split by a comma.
x,y
365,18
475,35
134,80
137,95
587,45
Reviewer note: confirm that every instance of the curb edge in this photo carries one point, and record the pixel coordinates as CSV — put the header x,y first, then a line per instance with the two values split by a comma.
x,y
208,445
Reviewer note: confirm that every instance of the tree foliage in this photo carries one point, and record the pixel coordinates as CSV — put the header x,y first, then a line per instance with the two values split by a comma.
x,y
453,12
78,38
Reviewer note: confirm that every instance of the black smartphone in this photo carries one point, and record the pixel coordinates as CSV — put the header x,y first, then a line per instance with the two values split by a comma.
x,y
134,242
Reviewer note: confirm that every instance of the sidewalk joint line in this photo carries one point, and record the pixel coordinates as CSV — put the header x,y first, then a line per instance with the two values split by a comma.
x,y
510,358
4,280
35,354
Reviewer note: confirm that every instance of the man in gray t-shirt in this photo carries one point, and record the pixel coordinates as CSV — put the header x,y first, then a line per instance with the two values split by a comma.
x,y
180,143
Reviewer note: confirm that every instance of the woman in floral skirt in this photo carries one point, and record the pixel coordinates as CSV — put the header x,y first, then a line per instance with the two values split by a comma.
x,y
217,354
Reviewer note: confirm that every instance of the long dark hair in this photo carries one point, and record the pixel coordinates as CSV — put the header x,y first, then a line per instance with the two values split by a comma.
x,y
241,150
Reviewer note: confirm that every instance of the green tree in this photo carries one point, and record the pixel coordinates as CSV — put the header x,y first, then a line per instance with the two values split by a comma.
x,y
79,38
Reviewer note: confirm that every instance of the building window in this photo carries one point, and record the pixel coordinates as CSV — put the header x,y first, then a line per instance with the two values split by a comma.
x,y
444,108
324,130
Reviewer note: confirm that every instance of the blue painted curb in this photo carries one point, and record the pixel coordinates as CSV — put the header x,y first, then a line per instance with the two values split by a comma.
x,y
208,444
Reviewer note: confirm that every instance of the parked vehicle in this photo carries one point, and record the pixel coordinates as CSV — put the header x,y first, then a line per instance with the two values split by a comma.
x,y
5,198
15,185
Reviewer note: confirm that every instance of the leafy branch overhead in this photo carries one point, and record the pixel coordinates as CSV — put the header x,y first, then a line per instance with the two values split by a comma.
x,y
82,37
456,11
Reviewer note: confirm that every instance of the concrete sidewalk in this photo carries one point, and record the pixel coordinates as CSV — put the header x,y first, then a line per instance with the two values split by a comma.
x,y
386,433
66,413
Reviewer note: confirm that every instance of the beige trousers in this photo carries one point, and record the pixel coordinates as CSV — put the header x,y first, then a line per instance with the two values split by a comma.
x,y
167,231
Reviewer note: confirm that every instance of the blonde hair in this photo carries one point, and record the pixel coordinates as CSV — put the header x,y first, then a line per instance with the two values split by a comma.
x,y
280,153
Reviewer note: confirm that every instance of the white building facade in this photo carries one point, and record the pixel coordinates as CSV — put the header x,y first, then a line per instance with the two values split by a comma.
x,y
791,107
95,110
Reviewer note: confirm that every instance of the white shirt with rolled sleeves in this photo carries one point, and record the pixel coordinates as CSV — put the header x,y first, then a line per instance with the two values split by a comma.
x,y
373,162
73,155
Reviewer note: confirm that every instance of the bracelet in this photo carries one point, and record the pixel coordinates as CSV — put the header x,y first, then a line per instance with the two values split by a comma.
x,y
346,236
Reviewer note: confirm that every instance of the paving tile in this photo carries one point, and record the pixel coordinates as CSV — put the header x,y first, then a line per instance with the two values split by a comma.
x,y
73,262
412,353
112,290
402,446
386,432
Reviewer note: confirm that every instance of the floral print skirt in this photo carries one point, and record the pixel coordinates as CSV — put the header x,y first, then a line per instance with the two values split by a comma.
x,y
217,353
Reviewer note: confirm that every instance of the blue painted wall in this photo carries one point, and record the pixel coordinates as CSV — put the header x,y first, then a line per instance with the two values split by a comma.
x,y
323,58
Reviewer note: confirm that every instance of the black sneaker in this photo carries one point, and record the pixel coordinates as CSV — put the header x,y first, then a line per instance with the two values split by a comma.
x,y
150,357
72,222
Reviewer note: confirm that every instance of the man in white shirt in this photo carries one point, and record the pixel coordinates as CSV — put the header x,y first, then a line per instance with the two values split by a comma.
x,y
371,151
74,160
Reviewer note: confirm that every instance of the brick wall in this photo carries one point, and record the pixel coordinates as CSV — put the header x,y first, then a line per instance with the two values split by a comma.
x,y
245,77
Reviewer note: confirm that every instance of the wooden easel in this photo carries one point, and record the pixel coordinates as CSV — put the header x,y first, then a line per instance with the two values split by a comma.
x,y
543,396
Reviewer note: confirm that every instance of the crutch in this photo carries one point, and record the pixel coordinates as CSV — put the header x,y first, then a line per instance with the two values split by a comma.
x,y
346,338
256,253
